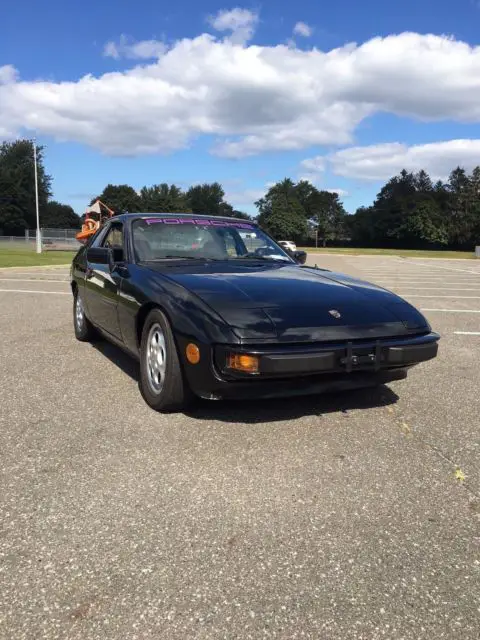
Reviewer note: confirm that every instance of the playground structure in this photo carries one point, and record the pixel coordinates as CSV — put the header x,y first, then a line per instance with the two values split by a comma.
x,y
95,216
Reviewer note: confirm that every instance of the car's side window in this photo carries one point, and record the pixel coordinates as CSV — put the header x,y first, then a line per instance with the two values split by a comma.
x,y
99,237
114,238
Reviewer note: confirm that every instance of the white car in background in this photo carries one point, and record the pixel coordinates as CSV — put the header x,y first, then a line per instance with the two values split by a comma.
x,y
288,244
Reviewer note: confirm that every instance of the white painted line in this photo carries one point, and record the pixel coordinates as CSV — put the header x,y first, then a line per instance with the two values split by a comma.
x,y
438,289
418,276
31,280
467,333
406,283
415,274
453,310
418,295
411,271
437,266
55,293
33,272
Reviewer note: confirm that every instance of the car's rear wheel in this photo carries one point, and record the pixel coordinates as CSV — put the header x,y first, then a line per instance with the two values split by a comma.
x,y
162,382
84,330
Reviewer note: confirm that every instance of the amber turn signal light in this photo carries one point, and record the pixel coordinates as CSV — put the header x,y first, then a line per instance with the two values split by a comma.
x,y
243,362
193,353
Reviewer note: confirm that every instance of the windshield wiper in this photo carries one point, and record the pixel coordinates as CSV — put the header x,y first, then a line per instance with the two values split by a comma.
x,y
252,256
186,258
176,258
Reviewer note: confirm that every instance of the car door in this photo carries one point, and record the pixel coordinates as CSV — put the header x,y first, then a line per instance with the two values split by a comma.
x,y
102,283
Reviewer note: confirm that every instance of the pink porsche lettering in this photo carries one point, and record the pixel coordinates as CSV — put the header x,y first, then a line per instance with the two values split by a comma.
x,y
200,221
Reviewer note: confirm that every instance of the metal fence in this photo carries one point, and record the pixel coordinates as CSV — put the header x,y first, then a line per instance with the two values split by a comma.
x,y
52,239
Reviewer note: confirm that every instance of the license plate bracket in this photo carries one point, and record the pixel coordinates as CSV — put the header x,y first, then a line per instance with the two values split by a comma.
x,y
362,357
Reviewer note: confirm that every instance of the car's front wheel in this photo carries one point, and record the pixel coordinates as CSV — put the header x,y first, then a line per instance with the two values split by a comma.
x,y
84,329
162,382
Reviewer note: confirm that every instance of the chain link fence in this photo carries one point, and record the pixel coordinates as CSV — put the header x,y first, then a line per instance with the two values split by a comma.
x,y
52,240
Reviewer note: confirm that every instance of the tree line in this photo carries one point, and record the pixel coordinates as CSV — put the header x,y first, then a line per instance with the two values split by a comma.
x,y
168,198
410,210
17,191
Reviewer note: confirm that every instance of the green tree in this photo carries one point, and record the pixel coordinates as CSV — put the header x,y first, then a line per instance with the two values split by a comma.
x,y
327,216
240,214
60,216
286,220
474,217
424,226
410,211
17,186
301,209
460,189
281,214
364,228
423,182
120,198
164,198
206,199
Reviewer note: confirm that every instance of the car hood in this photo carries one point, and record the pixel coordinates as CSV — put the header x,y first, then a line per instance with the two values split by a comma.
x,y
290,303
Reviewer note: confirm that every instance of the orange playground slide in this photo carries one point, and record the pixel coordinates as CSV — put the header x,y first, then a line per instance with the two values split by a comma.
x,y
95,216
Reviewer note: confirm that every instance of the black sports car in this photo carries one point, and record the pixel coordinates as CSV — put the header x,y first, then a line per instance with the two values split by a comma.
x,y
213,307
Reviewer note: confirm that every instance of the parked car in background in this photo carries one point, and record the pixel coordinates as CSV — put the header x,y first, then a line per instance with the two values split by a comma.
x,y
288,245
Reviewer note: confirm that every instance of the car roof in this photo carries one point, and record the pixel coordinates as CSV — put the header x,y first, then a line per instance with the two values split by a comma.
x,y
123,217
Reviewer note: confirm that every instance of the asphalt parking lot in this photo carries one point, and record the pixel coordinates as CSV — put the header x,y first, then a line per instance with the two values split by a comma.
x,y
348,516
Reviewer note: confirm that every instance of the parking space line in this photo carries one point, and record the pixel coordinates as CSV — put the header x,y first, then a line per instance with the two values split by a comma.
x,y
437,266
24,274
464,279
421,274
467,333
440,289
404,282
410,273
418,295
31,280
453,310
55,293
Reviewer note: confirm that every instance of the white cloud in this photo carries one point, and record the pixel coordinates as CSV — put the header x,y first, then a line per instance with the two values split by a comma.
x,y
302,29
251,99
382,161
341,192
313,178
245,197
8,74
142,50
241,22
314,165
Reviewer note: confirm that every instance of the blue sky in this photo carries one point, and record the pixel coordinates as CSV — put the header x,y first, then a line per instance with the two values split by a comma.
x,y
46,41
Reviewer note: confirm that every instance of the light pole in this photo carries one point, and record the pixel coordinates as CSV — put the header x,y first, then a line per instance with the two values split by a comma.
x,y
39,240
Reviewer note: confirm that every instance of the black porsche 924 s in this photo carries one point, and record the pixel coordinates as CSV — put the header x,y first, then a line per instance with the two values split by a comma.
x,y
214,307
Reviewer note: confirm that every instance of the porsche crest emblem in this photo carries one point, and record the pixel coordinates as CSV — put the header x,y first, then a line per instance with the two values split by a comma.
x,y
335,313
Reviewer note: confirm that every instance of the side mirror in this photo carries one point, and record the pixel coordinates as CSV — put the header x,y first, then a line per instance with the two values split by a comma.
x,y
115,257
98,255
300,257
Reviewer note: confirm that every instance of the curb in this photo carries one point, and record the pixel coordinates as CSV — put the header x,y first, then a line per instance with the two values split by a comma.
x,y
38,266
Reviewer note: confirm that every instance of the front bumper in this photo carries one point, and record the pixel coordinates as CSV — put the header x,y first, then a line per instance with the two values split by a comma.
x,y
310,369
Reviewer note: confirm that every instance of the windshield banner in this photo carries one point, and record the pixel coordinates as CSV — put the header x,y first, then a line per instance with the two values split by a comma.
x,y
200,221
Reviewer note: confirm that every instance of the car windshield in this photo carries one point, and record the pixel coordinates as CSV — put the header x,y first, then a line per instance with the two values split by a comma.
x,y
166,238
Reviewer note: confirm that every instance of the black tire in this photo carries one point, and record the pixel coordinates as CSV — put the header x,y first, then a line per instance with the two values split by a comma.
x,y
84,329
162,385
